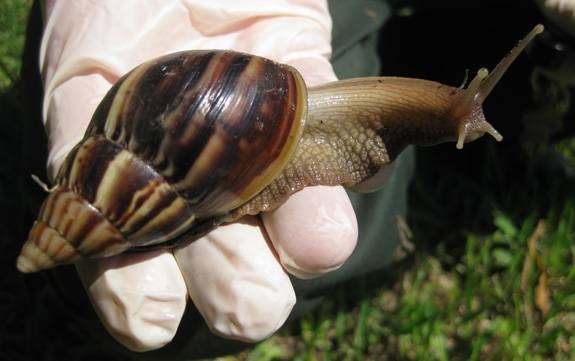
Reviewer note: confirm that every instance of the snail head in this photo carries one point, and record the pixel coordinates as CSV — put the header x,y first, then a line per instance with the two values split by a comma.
x,y
467,108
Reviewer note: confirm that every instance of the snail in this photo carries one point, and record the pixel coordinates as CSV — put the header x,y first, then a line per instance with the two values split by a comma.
x,y
191,140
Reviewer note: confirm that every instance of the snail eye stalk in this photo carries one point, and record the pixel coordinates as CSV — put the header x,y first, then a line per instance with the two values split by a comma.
x,y
479,89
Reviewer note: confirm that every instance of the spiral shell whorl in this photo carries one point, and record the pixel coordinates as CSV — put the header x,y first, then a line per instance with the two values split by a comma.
x,y
205,120
68,228
183,138
127,191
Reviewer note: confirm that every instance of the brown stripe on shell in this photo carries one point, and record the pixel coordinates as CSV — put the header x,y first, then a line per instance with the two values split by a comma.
x,y
127,191
139,120
205,122
156,217
263,111
114,127
100,115
169,90
32,258
190,125
86,164
53,244
206,133
278,111
75,220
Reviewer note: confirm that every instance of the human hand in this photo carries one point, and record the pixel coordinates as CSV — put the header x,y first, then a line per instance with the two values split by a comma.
x,y
236,275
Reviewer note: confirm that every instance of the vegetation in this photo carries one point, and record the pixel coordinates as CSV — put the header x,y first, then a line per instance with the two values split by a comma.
x,y
510,296
13,15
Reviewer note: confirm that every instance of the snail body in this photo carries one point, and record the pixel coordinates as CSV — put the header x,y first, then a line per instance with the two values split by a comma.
x,y
188,141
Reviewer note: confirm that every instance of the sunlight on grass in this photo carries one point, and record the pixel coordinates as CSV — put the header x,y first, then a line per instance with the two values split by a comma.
x,y
13,16
511,296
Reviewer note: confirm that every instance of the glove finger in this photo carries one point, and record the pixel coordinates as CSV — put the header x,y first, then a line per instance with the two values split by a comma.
x,y
236,281
139,297
314,232
560,12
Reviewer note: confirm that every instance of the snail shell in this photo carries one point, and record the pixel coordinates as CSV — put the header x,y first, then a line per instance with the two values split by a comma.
x,y
188,152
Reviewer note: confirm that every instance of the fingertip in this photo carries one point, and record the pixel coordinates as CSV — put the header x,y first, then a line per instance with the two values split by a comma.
x,y
236,282
142,336
316,70
140,298
314,232
262,309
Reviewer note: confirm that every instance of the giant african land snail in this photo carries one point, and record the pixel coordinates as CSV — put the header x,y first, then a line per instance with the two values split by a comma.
x,y
191,140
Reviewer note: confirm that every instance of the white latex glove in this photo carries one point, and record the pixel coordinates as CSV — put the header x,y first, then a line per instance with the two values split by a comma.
x,y
235,275
561,12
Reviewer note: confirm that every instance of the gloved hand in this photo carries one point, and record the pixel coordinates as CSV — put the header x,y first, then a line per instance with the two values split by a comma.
x,y
236,275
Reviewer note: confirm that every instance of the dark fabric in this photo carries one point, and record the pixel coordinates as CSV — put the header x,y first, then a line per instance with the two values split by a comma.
x,y
355,35
356,25
355,53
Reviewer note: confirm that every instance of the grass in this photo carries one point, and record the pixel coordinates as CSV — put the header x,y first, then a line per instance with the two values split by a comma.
x,y
13,15
500,286
510,296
